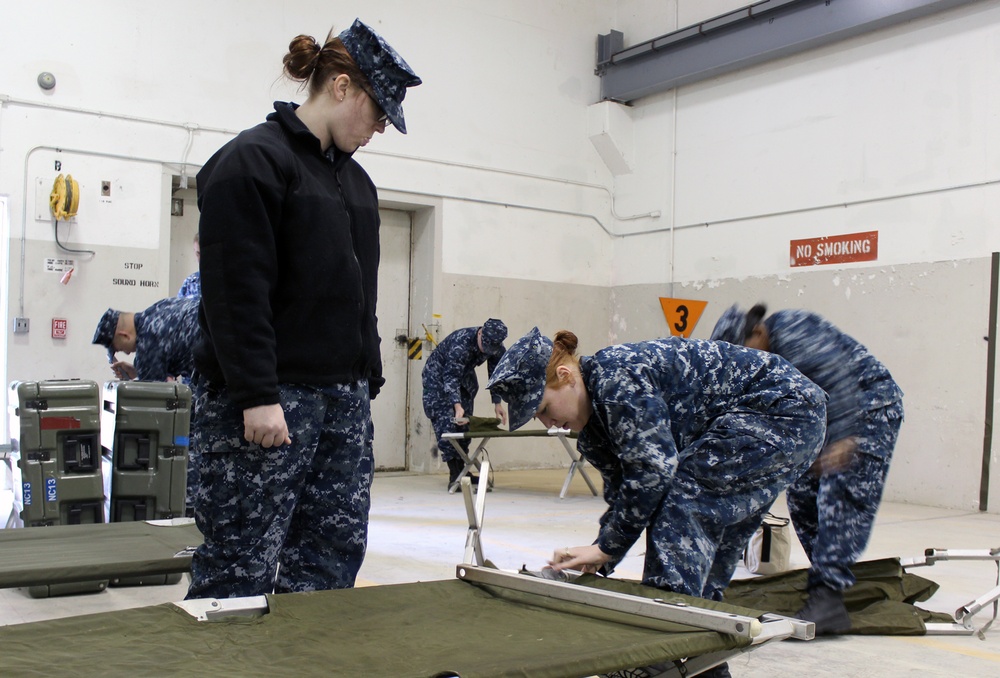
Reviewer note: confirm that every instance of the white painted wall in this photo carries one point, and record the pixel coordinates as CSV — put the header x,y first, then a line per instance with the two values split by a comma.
x,y
895,131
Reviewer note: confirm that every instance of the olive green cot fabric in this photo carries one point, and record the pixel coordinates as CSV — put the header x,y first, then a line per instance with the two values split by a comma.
x,y
489,427
483,424
420,630
60,554
431,629
880,603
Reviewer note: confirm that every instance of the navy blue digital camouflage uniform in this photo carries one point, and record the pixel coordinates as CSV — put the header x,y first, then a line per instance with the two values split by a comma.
x,y
694,440
834,512
303,505
449,377
191,287
165,335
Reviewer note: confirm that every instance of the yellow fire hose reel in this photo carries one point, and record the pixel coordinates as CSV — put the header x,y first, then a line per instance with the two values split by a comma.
x,y
65,197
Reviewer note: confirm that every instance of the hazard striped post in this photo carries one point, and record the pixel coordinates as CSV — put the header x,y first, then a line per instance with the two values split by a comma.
x,y
415,348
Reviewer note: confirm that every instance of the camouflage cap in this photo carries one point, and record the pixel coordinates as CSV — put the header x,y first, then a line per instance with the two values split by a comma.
x,y
388,74
731,326
105,333
494,332
519,377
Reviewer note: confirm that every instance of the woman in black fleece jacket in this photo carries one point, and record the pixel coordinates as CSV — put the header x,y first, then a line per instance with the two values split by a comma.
x,y
290,353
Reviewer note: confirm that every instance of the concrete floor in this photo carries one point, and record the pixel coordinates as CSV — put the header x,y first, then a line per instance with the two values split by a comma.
x,y
418,534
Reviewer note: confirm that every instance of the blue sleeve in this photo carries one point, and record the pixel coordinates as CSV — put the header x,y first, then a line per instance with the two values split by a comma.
x,y
191,287
452,373
491,364
149,366
453,357
165,336
825,355
637,417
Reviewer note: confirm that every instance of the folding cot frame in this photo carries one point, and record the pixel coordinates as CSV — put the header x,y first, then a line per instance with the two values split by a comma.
x,y
963,625
644,612
472,461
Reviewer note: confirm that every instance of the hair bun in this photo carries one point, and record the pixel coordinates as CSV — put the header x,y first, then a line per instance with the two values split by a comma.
x,y
567,341
301,58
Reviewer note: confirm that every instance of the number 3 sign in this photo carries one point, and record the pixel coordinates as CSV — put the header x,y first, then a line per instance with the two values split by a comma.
x,y
682,315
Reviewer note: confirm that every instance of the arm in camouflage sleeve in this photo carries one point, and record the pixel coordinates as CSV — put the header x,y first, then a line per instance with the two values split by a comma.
x,y
639,426
825,355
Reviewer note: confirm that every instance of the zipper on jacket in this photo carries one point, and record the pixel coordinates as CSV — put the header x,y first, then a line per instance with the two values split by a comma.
x,y
361,279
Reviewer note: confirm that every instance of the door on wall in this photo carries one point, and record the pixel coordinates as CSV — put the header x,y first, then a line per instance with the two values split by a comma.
x,y
4,313
389,408
184,217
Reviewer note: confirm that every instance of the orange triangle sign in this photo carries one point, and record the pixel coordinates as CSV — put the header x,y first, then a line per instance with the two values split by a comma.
x,y
682,314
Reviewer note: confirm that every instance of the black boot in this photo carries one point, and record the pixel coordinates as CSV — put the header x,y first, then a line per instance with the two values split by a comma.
x,y
455,467
825,608
720,671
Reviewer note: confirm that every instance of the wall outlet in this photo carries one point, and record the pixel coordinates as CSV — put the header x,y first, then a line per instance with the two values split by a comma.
x,y
21,325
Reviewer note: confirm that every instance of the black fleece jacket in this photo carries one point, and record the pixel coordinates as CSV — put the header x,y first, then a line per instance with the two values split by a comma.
x,y
289,264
